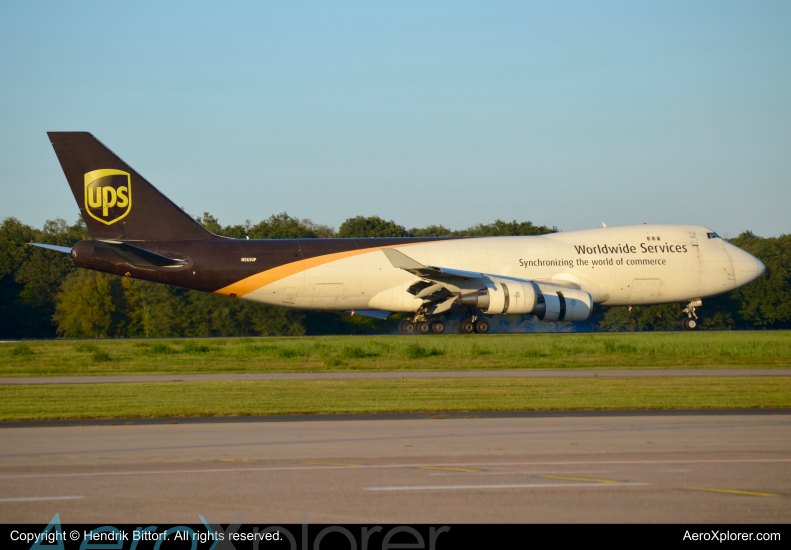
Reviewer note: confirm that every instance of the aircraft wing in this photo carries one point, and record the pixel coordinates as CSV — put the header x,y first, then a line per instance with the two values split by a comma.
x,y
402,261
440,288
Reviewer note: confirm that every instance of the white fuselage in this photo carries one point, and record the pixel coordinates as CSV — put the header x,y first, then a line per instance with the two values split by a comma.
x,y
631,265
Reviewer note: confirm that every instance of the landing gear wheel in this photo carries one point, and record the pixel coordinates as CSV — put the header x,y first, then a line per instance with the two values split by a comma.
x,y
438,327
482,326
423,327
466,326
407,327
689,324
458,328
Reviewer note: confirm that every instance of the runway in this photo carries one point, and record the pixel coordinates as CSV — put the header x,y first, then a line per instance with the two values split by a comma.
x,y
725,466
397,375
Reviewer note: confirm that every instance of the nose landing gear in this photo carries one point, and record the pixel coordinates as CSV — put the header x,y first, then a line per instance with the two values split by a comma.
x,y
691,322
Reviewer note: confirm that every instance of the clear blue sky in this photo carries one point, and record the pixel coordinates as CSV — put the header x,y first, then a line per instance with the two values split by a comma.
x,y
567,114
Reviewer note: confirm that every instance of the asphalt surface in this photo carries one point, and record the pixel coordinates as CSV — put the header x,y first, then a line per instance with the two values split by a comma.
x,y
724,466
393,375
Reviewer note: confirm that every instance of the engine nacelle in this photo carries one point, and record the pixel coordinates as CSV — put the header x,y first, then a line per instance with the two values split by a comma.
x,y
579,305
504,296
513,296
564,305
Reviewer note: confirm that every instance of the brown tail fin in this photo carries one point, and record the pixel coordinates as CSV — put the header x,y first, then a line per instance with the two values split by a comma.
x,y
116,202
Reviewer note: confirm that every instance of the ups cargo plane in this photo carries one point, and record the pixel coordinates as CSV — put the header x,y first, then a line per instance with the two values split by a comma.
x,y
137,232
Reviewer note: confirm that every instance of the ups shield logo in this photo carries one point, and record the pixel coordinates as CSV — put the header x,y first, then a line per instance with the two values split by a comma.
x,y
108,195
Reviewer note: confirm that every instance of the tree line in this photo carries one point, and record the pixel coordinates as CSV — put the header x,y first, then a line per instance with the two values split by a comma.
x,y
43,295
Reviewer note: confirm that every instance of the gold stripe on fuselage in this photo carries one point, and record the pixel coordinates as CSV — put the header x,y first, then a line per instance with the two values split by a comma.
x,y
260,280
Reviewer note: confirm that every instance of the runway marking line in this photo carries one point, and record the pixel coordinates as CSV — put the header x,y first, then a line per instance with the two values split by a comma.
x,y
542,472
375,466
30,499
448,468
733,491
581,479
511,486
333,464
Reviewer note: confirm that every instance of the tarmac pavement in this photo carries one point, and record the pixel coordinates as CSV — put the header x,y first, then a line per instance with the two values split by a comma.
x,y
713,467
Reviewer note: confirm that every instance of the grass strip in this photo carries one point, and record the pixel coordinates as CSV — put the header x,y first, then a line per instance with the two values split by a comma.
x,y
387,353
363,396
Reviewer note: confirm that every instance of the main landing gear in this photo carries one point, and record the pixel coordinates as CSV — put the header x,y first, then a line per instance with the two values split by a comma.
x,y
417,325
691,321
425,326
430,327
470,325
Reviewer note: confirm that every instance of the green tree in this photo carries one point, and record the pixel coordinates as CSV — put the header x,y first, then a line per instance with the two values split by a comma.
x,y
371,226
282,226
151,309
432,231
765,302
501,228
212,315
321,231
30,277
641,318
210,223
497,228
277,226
85,307
42,294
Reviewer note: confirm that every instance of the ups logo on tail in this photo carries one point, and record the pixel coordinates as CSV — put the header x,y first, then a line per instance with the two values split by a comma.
x,y
108,195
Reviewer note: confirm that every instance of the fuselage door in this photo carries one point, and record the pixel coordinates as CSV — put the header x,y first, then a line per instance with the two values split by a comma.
x,y
694,238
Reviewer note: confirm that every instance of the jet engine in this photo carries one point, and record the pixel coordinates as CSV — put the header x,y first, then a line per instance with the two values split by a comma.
x,y
514,296
564,305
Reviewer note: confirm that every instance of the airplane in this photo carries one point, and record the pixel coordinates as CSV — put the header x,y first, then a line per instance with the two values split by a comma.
x,y
138,232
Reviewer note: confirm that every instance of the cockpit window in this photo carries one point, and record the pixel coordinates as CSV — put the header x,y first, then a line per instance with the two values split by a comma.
x,y
713,236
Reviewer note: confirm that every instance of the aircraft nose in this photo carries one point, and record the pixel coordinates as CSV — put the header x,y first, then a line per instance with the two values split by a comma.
x,y
746,267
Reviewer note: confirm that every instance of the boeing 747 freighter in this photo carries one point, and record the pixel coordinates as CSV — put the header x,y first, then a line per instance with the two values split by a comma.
x,y
137,232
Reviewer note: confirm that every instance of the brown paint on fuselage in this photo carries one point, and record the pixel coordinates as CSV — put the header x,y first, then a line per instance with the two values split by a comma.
x,y
215,265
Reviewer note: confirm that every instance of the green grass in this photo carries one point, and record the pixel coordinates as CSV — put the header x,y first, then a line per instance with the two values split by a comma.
x,y
380,353
361,396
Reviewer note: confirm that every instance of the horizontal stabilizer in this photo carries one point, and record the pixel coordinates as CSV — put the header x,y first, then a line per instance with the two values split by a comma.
x,y
133,255
64,249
